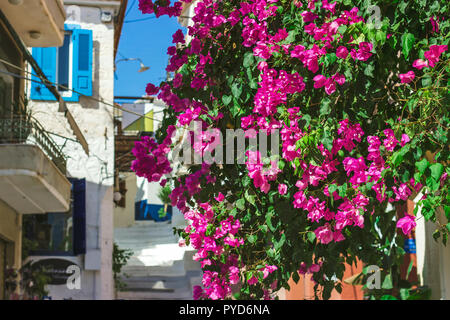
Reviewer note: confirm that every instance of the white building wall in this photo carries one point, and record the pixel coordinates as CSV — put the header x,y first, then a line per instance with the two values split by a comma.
x,y
95,120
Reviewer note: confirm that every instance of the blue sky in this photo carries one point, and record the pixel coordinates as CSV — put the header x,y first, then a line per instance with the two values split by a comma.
x,y
147,40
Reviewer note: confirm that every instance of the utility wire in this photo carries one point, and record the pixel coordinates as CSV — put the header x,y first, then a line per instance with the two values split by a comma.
x,y
139,20
130,8
114,105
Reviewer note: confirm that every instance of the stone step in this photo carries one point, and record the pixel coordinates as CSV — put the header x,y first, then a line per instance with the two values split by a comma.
x,y
170,270
157,283
144,243
158,268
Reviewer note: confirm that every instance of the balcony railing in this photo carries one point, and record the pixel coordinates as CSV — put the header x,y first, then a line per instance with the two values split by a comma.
x,y
26,130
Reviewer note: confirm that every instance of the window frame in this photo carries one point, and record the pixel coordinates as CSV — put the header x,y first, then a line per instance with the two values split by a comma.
x,y
76,89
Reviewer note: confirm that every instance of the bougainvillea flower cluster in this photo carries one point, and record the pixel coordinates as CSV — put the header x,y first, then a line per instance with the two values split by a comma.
x,y
353,119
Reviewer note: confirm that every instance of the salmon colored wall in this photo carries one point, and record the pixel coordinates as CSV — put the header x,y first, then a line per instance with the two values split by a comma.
x,y
304,289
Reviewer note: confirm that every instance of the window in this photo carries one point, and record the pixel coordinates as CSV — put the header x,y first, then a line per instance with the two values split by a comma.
x,y
59,233
69,66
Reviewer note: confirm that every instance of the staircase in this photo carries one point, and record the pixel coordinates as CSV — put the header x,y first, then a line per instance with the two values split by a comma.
x,y
159,268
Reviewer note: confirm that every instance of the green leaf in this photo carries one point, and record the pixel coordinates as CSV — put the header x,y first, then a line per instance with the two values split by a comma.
x,y
409,269
311,236
387,283
278,244
236,89
436,234
269,221
422,165
325,108
436,170
249,59
332,188
250,197
240,204
426,81
226,99
404,294
252,238
408,40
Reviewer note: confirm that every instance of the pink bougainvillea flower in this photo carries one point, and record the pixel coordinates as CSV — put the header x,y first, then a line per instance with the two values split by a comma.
x,y
220,197
319,81
268,270
407,223
339,78
390,142
151,89
282,188
434,24
405,139
330,86
253,280
197,292
342,52
420,64
364,51
324,234
171,50
178,36
407,77
234,275
434,53
308,16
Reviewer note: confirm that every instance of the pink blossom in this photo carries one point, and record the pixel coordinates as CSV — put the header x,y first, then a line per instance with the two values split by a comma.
x,y
197,292
324,234
404,140
420,64
407,77
220,197
253,280
407,223
268,270
342,52
319,81
308,16
234,275
434,53
178,37
282,188
314,268
151,89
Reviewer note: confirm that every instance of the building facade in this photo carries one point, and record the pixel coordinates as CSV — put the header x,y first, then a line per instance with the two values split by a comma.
x,y
82,69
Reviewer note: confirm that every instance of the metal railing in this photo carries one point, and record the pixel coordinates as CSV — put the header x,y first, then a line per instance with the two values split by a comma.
x,y
26,130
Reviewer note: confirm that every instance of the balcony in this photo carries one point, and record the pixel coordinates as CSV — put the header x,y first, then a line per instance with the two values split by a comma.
x,y
32,168
39,23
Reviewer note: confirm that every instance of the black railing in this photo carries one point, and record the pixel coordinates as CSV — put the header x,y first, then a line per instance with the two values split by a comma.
x,y
26,130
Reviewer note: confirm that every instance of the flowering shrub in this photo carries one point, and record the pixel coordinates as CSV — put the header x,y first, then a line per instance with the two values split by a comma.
x,y
361,105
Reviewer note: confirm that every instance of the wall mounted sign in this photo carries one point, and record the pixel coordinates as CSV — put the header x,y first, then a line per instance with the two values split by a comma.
x,y
56,269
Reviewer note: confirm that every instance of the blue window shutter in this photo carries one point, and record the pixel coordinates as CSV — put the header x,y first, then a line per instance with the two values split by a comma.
x,y
82,61
79,215
46,59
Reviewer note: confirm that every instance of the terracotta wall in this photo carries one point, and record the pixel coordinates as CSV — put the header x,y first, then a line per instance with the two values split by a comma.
x,y
304,289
